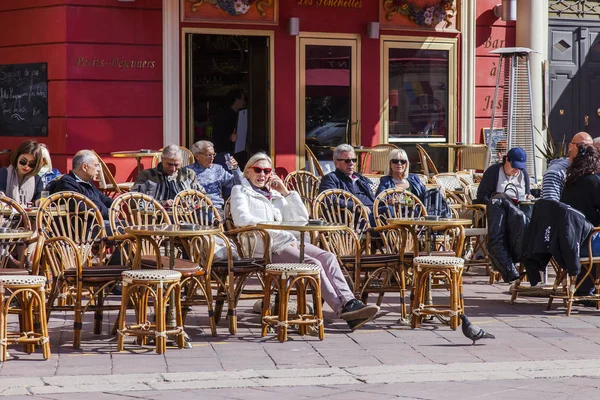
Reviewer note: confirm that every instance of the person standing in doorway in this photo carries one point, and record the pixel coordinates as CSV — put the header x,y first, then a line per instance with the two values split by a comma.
x,y
224,134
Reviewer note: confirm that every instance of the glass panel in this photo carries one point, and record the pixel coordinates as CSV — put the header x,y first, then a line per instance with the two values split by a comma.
x,y
328,97
418,94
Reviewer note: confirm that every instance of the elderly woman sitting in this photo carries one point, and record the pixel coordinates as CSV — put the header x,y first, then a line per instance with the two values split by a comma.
x,y
19,180
398,175
262,196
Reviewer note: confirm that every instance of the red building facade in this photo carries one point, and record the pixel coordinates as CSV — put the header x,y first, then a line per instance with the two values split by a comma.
x,y
106,82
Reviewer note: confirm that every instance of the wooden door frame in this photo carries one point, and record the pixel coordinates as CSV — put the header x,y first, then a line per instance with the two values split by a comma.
x,y
331,39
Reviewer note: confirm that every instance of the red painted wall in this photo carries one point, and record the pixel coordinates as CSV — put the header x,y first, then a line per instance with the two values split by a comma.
x,y
491,33
104,71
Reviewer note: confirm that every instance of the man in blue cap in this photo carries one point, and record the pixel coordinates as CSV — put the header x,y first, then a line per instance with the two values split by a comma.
x,y
509,176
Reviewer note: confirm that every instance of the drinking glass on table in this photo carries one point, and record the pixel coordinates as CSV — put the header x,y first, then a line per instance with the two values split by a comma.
x,y
44,195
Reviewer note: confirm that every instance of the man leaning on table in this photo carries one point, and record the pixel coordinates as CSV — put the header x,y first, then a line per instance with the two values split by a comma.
x,y
168,178
85,170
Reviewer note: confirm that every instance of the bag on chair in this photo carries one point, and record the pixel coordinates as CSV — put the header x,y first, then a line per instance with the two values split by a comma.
x,y
436,204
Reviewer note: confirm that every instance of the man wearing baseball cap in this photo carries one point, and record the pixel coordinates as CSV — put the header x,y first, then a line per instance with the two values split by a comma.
x,y
508,176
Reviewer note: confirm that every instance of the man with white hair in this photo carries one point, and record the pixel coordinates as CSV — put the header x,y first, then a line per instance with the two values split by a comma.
x,y
168,178
213,177
86,167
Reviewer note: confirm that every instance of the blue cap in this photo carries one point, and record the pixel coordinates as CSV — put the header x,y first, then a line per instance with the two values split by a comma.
x,y
517,158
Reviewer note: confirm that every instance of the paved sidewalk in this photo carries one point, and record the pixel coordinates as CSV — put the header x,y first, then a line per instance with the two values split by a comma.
x,y
537,354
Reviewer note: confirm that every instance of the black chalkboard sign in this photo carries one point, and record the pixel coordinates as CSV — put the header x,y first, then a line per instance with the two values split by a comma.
x,y
24,99
492,138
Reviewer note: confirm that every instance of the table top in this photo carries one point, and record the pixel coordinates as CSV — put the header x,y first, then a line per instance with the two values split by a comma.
x,y
6,233
423,221
300,226
136,153
179,230
457,145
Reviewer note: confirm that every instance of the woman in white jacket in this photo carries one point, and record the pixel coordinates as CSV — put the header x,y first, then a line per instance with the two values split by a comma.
x,y
261,197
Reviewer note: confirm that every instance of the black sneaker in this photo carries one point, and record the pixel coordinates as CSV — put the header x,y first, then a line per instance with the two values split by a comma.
x,y
357,310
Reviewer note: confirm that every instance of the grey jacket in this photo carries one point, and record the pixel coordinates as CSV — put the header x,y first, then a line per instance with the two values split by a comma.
x,y
155,183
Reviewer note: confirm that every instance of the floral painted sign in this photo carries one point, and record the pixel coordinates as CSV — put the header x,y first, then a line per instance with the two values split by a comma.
x,y
438,14
242,11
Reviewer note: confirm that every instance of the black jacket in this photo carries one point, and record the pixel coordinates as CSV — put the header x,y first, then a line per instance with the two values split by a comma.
x,y
506,234
69,183
556,230
489,182
338,180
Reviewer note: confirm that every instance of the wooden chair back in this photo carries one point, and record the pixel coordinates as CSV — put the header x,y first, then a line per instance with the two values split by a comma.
x,y
76,217
187,157
306,184
466,176
194,207
474,158
423,178
106,180
397,203
374,178
427,164
136,208
378,160
313,163
12,215
342,207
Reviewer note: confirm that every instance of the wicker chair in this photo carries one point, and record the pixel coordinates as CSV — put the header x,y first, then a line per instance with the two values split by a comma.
x,y
230,275
312,162
379,159
12,215
374,178
306,184
139,209
427,164
366,272
107,182
75,258
187,157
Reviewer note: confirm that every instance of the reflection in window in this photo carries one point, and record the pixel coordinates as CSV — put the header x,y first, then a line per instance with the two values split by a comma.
x,y
327,95
418,94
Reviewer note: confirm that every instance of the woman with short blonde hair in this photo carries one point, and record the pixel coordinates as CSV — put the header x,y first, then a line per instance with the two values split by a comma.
x,y
398,175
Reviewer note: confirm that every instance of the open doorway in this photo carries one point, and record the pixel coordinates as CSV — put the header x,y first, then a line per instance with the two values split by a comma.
x,y
219,65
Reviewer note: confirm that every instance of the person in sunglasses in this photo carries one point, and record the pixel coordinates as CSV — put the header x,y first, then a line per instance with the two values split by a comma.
x,y
168,178
345,177
20,180
261,197
398,175
213,177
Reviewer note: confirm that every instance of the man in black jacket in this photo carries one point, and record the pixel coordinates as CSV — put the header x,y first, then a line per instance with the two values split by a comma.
x,y
346,178
86,168
512,171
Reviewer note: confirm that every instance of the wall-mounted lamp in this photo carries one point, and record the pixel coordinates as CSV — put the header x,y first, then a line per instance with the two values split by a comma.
x,y
126,1
507,10
373,30
294,26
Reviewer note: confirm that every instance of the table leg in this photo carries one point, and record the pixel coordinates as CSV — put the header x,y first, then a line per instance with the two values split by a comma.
x,y
171,311
428,296
302,247
139,163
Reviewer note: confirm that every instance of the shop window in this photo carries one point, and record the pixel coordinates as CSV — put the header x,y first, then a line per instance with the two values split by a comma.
x,y
419,91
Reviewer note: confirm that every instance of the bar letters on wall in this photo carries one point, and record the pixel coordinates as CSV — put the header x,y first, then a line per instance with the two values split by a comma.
x,y
24,99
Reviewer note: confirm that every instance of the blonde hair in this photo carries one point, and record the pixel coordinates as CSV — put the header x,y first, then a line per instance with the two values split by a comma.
x,y
46,161
254,159
398,154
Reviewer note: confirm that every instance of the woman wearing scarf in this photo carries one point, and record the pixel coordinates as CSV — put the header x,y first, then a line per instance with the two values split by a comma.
x,y
21,176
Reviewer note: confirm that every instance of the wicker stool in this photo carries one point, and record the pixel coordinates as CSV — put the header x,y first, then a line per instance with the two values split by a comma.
x,y
285,277
448,268
139,285
29,291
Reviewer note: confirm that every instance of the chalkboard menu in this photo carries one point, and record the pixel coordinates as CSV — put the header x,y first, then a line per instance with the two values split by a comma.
x,y
496,140
24,99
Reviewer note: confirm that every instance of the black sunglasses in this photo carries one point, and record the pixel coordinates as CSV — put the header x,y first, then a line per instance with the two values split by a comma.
x,y
24,162
403,162
348,160
258,170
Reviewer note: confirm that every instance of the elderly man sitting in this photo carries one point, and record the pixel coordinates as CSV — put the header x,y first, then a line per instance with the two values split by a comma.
x,y
167,179
213,177
85,169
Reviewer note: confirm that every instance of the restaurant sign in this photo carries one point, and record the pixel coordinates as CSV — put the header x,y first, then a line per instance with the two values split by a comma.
x,y
331,3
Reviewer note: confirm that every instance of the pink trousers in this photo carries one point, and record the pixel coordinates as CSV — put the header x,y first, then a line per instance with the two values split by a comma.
x,y
334,288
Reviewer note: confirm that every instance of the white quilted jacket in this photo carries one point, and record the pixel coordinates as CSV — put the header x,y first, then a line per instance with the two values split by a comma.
x,y
249,208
